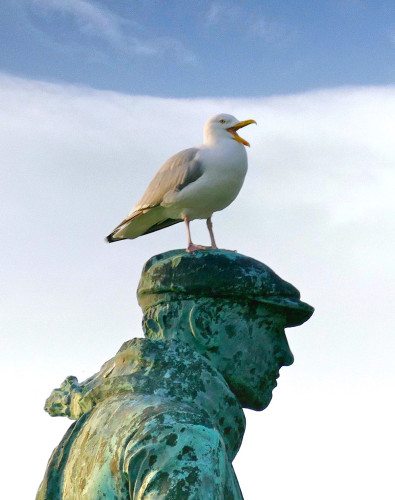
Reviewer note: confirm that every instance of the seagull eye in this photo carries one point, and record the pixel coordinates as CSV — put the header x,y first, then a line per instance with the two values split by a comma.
x,y
222,121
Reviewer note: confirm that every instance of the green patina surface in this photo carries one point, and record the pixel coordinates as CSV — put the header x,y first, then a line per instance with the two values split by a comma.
x,y
177,275
163,418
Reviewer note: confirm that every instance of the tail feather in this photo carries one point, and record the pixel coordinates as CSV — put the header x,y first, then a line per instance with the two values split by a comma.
x,y
143,222
162,225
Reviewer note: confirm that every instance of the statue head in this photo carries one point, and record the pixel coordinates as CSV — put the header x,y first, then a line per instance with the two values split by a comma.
x,y
231,309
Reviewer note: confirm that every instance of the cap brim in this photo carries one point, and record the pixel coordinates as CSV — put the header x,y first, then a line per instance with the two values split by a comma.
x,y
296,311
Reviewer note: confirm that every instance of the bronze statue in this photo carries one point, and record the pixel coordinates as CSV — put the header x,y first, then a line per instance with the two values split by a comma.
x,y
163,418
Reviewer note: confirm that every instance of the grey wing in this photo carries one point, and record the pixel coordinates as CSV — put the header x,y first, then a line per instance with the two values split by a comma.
x,y
176,173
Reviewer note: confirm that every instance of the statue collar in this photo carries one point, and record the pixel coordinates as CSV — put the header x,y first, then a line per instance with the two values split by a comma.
x,y
166,368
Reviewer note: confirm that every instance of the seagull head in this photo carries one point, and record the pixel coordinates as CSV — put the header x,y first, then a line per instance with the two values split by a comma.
x,y
224,126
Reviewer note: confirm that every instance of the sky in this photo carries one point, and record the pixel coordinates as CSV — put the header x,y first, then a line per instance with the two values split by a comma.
x,y
200,48
94,97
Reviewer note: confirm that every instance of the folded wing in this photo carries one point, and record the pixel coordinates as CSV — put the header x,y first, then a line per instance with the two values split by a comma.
x,y
148,215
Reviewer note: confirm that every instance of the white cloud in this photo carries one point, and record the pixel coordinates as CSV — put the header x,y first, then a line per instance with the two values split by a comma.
x,y
121,34
317,206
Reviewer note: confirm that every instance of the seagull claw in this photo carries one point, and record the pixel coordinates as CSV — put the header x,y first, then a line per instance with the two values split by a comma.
x,y
194,248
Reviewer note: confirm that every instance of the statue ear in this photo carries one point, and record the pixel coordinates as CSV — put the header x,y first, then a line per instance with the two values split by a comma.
x,y
200,322
153,324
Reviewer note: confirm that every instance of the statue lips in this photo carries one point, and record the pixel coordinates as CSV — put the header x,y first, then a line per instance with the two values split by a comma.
x,y
275,377
269,382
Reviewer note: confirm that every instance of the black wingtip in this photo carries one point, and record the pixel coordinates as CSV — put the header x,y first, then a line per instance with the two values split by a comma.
x,y
109,239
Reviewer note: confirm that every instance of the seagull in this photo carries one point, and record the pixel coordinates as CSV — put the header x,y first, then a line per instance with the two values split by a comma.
x,y
192,184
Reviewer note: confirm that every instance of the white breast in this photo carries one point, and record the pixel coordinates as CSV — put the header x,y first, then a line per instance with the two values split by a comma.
x,y
225,167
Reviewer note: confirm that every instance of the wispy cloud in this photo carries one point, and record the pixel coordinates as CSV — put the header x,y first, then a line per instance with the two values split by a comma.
x,y
88,18
272,31
351,6
223,13
123,35
230,15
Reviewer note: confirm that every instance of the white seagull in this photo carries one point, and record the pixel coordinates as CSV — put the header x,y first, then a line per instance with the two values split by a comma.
x,y
193,184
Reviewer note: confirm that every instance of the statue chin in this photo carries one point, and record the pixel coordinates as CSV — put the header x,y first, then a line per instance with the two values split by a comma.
x,y
253,399
260,403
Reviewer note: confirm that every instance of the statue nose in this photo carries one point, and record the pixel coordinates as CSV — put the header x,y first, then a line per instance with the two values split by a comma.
x,y
288,358
283,353
284,357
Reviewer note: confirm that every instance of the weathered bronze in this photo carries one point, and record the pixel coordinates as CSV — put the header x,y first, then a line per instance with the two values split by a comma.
x,y
163,419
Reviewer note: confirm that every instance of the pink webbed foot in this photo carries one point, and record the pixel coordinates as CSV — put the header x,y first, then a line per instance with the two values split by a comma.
x,y
194,248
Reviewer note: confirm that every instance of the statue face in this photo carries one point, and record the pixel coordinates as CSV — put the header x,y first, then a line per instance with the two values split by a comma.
x,y
245,342
251,350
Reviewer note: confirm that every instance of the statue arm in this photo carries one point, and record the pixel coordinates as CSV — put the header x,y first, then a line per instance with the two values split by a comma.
x,y
177,460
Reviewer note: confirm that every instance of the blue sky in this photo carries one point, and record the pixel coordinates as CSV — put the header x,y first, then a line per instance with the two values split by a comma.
x,y
200,47
94,97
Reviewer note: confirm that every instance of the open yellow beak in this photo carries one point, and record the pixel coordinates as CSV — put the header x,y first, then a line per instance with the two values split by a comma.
x,y
233,131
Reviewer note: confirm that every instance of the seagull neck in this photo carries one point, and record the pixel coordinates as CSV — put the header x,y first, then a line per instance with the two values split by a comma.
x,y
216,141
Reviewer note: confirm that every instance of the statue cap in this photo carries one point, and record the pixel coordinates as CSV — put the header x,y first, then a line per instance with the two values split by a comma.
x,y
178,275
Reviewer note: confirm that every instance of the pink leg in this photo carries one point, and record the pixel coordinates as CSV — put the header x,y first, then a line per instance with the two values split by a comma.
x,y
192,247
210,230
